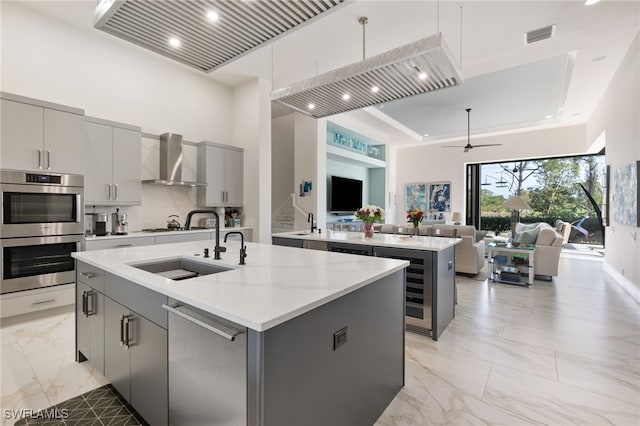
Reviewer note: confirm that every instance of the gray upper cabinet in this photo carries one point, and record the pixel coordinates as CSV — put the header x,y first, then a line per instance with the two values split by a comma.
x,y
41,136
113,158
221,167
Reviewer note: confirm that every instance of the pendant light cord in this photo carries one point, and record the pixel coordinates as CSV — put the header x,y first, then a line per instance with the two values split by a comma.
x,y
460,37
363,21
469,126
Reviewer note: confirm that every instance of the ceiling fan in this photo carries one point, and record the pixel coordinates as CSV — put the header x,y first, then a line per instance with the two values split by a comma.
x,y
468,146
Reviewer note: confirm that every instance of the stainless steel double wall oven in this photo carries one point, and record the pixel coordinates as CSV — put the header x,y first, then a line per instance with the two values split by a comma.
x,y
41,224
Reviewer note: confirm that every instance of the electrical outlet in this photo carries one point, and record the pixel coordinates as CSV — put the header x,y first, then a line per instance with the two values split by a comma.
x,y
339,338
622,270
634,235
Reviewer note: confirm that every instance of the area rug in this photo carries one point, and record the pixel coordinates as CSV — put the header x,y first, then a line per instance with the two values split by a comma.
x,y
99,407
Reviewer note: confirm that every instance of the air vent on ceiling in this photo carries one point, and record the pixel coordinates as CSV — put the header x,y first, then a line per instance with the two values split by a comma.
x,y
539,34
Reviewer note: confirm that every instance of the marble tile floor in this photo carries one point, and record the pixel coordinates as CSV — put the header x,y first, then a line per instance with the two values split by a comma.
x,y
561,352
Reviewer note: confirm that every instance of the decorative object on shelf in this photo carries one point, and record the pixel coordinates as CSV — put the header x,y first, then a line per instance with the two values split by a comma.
x,y
515,203
625,195
305,187
456,218
369,215
415,216
440,197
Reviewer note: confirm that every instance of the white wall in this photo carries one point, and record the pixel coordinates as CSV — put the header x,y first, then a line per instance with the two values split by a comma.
x,y
109,78
306,166
48,59
252,131
618,114
432,163
283,164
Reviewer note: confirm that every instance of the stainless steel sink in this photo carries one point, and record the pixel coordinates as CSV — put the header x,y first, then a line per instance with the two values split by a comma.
x,y
181,268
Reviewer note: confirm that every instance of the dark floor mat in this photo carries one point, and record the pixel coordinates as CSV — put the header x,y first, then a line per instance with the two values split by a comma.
x,y
99,407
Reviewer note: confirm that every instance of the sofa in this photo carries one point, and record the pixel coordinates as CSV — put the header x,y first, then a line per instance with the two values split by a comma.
x,y
548,241
469,253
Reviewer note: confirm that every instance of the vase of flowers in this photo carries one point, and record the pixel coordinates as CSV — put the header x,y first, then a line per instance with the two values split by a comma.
x,y
415,216
369,215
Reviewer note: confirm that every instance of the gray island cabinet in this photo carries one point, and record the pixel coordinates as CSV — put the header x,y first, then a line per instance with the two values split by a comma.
x,y
430,277
283,340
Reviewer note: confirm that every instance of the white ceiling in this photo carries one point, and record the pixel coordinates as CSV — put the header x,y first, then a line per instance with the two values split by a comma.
x,y
507,84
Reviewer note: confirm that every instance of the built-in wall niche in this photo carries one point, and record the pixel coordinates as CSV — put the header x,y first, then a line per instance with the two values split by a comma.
x,y
354,163
348,140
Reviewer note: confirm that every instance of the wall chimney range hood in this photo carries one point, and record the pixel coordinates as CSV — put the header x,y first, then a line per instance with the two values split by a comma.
x,y
171,162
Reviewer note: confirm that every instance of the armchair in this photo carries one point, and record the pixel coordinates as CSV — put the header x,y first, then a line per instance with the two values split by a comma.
x,y
469,253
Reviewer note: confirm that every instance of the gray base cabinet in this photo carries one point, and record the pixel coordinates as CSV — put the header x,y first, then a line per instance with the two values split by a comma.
x,y
207,372
128,344
339,364
429,282
135,361
90,326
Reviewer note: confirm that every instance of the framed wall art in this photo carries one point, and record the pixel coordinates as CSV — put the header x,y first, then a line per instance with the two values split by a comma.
x,y
439,197
415,195
624,197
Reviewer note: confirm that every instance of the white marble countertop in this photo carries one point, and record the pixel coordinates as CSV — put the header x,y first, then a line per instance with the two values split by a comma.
x,y
383,240
277,283
134,234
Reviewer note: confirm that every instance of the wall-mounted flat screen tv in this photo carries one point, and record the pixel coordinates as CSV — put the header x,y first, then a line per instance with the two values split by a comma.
x,y
346,195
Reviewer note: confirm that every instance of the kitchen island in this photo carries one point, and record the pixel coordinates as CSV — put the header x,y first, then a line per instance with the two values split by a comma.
x,y
430,278
292,337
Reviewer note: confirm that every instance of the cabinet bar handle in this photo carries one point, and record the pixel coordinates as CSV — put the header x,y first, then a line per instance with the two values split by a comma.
x,y
88,275
109,190
44,301
84,303
121,330
40,159
115,197
90,303
48,159
123,245
127,321
175,310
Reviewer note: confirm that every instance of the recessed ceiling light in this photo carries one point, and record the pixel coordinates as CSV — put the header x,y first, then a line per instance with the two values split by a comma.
x,y
311,106
346,96
426,134
590,2
422,76
375,89
174,42
212,16
548,116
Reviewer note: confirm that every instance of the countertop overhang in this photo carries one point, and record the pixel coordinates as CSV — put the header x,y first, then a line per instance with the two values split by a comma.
x,y
277,283
411,242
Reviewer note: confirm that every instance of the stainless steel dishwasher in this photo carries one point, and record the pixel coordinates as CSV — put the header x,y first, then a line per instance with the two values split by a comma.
x,y
207,368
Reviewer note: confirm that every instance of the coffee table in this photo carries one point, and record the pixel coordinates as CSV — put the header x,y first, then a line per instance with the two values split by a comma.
x,y
507,263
